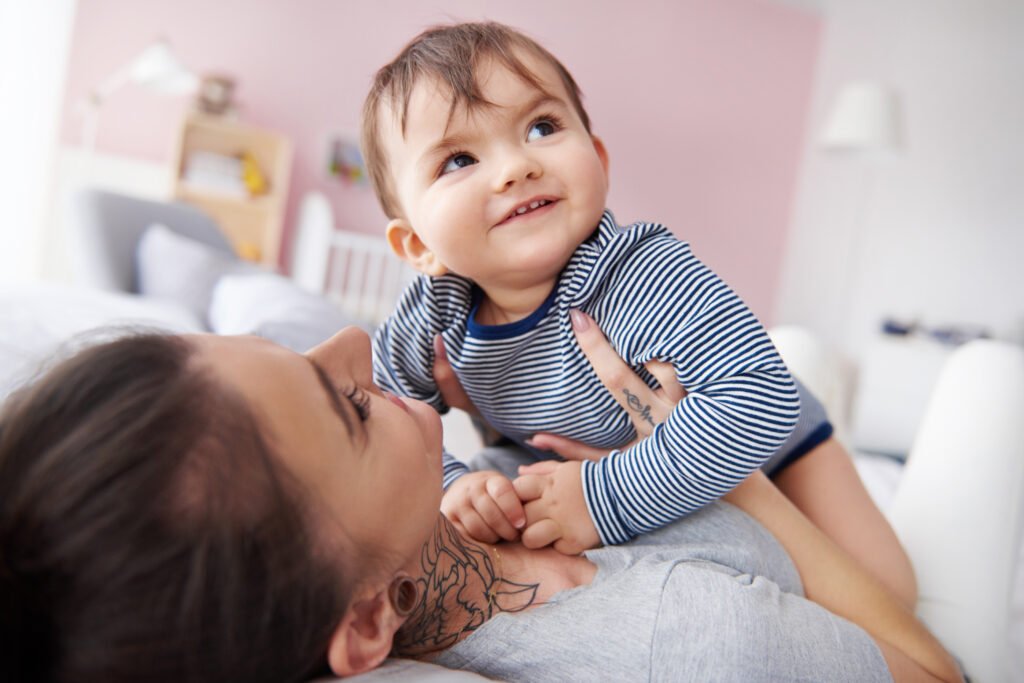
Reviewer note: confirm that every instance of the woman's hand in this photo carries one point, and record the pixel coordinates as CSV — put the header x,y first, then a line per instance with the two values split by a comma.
x,y
447,383
556,511
646,407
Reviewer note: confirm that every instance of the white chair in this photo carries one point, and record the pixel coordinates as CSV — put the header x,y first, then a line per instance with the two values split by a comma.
x,y
959,504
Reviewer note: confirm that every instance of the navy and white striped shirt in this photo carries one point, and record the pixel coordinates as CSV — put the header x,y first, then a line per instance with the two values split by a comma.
x,y
653,300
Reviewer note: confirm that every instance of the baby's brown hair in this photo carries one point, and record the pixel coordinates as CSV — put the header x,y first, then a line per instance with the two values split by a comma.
x,y
450,54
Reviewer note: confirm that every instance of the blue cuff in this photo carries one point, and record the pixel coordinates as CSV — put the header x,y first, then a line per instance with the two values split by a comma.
x,y
453,469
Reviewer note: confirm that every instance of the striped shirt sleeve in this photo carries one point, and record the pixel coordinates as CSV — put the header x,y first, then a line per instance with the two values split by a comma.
x,y
403,357
741,405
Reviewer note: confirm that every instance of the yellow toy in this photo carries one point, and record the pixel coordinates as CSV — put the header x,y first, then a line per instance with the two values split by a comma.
x,y
252,176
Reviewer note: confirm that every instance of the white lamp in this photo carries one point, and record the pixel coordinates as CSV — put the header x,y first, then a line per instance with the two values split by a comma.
x,y
865,118
865,123
155,68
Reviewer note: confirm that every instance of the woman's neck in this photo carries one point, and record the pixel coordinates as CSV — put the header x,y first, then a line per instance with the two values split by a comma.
x,y
464,583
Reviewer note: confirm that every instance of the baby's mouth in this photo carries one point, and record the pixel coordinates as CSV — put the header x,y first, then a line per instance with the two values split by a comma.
x,y
527,208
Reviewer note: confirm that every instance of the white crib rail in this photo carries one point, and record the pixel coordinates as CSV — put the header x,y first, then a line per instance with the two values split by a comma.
x,y
355,270
364,277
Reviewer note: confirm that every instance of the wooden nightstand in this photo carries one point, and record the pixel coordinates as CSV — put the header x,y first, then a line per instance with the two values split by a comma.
x,y
251,221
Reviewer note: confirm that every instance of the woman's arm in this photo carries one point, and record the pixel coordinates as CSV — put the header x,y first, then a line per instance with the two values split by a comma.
x,y
830,577
833,580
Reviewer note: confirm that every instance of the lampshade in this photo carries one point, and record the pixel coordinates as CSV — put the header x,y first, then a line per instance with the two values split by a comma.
x,y
866,117
158,69
155,69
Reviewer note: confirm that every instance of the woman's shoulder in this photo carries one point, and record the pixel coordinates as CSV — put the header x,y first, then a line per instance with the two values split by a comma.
x,y
720,534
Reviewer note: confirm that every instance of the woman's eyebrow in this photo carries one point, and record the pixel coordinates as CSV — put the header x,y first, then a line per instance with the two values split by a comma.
x,y
333,398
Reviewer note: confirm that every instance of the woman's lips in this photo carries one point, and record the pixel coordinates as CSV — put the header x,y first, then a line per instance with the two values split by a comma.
x,y
397,401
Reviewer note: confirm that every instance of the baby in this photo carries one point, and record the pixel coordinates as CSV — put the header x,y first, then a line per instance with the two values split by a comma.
x,y
481,154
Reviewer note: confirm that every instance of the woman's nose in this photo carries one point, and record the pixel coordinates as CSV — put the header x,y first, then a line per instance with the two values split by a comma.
x,y
517,165
347,353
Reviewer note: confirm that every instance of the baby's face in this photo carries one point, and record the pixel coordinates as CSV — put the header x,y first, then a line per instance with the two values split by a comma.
x,y
502,195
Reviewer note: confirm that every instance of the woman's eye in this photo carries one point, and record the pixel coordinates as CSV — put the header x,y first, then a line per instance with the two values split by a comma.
x,y
360,401
541,129
455,162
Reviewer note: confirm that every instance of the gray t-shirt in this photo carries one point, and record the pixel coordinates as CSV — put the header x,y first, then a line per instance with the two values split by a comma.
x,y
712,597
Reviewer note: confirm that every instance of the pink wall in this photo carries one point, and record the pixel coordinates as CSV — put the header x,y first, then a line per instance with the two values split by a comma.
x,y
702,104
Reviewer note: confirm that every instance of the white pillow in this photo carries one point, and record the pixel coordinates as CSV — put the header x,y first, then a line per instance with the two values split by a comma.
x,y
275,308
896,380
181,269
37,320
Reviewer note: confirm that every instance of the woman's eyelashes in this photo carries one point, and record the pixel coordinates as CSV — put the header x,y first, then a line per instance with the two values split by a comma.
x,y
360,401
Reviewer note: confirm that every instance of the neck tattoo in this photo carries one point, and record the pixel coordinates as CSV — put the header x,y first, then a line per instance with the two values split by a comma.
x,y
492,593
461,589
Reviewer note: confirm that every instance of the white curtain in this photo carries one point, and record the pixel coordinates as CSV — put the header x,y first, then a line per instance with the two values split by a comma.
x,y
35,41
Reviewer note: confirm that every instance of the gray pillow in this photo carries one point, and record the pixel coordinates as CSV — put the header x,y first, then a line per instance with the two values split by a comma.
x,y
170,266
275,308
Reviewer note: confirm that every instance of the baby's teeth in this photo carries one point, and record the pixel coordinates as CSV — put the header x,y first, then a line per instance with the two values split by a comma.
x,y
534,205
521,209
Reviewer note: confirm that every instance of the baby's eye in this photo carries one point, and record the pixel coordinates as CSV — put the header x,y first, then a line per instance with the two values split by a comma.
x,y
541,129
455,162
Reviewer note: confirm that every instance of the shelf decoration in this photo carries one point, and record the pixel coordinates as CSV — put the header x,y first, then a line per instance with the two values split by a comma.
x,y
345,161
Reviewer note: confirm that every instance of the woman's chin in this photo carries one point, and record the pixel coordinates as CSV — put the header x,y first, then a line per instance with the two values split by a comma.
x,y
430,426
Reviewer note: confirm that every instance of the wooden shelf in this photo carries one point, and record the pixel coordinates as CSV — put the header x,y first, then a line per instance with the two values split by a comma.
x,y
253,224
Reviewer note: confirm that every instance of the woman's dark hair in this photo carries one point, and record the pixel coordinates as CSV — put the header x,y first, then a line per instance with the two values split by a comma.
x,y
148,533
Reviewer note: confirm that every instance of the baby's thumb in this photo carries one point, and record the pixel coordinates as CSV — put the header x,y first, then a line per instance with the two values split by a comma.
x,y
539,468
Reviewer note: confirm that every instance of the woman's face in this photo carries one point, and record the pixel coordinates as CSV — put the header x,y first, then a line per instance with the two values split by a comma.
x,y
372,459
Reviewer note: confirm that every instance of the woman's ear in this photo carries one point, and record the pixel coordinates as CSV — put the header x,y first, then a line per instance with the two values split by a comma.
x,y
602,153
408,246
364,636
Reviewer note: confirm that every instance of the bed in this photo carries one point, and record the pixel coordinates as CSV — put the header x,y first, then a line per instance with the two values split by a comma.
x,y
956,505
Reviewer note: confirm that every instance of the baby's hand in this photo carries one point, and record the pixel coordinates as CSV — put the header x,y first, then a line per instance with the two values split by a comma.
x,y
555,509
484,506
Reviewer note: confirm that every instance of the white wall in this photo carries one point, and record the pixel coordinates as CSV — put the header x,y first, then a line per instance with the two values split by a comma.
x,y
34,45
941,237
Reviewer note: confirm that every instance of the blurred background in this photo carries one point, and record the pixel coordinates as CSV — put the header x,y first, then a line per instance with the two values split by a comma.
x,y
852,167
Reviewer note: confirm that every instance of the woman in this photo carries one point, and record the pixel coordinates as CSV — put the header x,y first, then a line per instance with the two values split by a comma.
x,y
210,508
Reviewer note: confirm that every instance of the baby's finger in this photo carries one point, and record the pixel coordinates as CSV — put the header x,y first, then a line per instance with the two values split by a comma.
x,y
542,467
494,517
505,498
542,533
569,449
568,547
458,526
530,487
665,373
476,527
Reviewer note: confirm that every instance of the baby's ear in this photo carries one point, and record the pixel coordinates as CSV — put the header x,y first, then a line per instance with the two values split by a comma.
x,y
408,246
602,152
